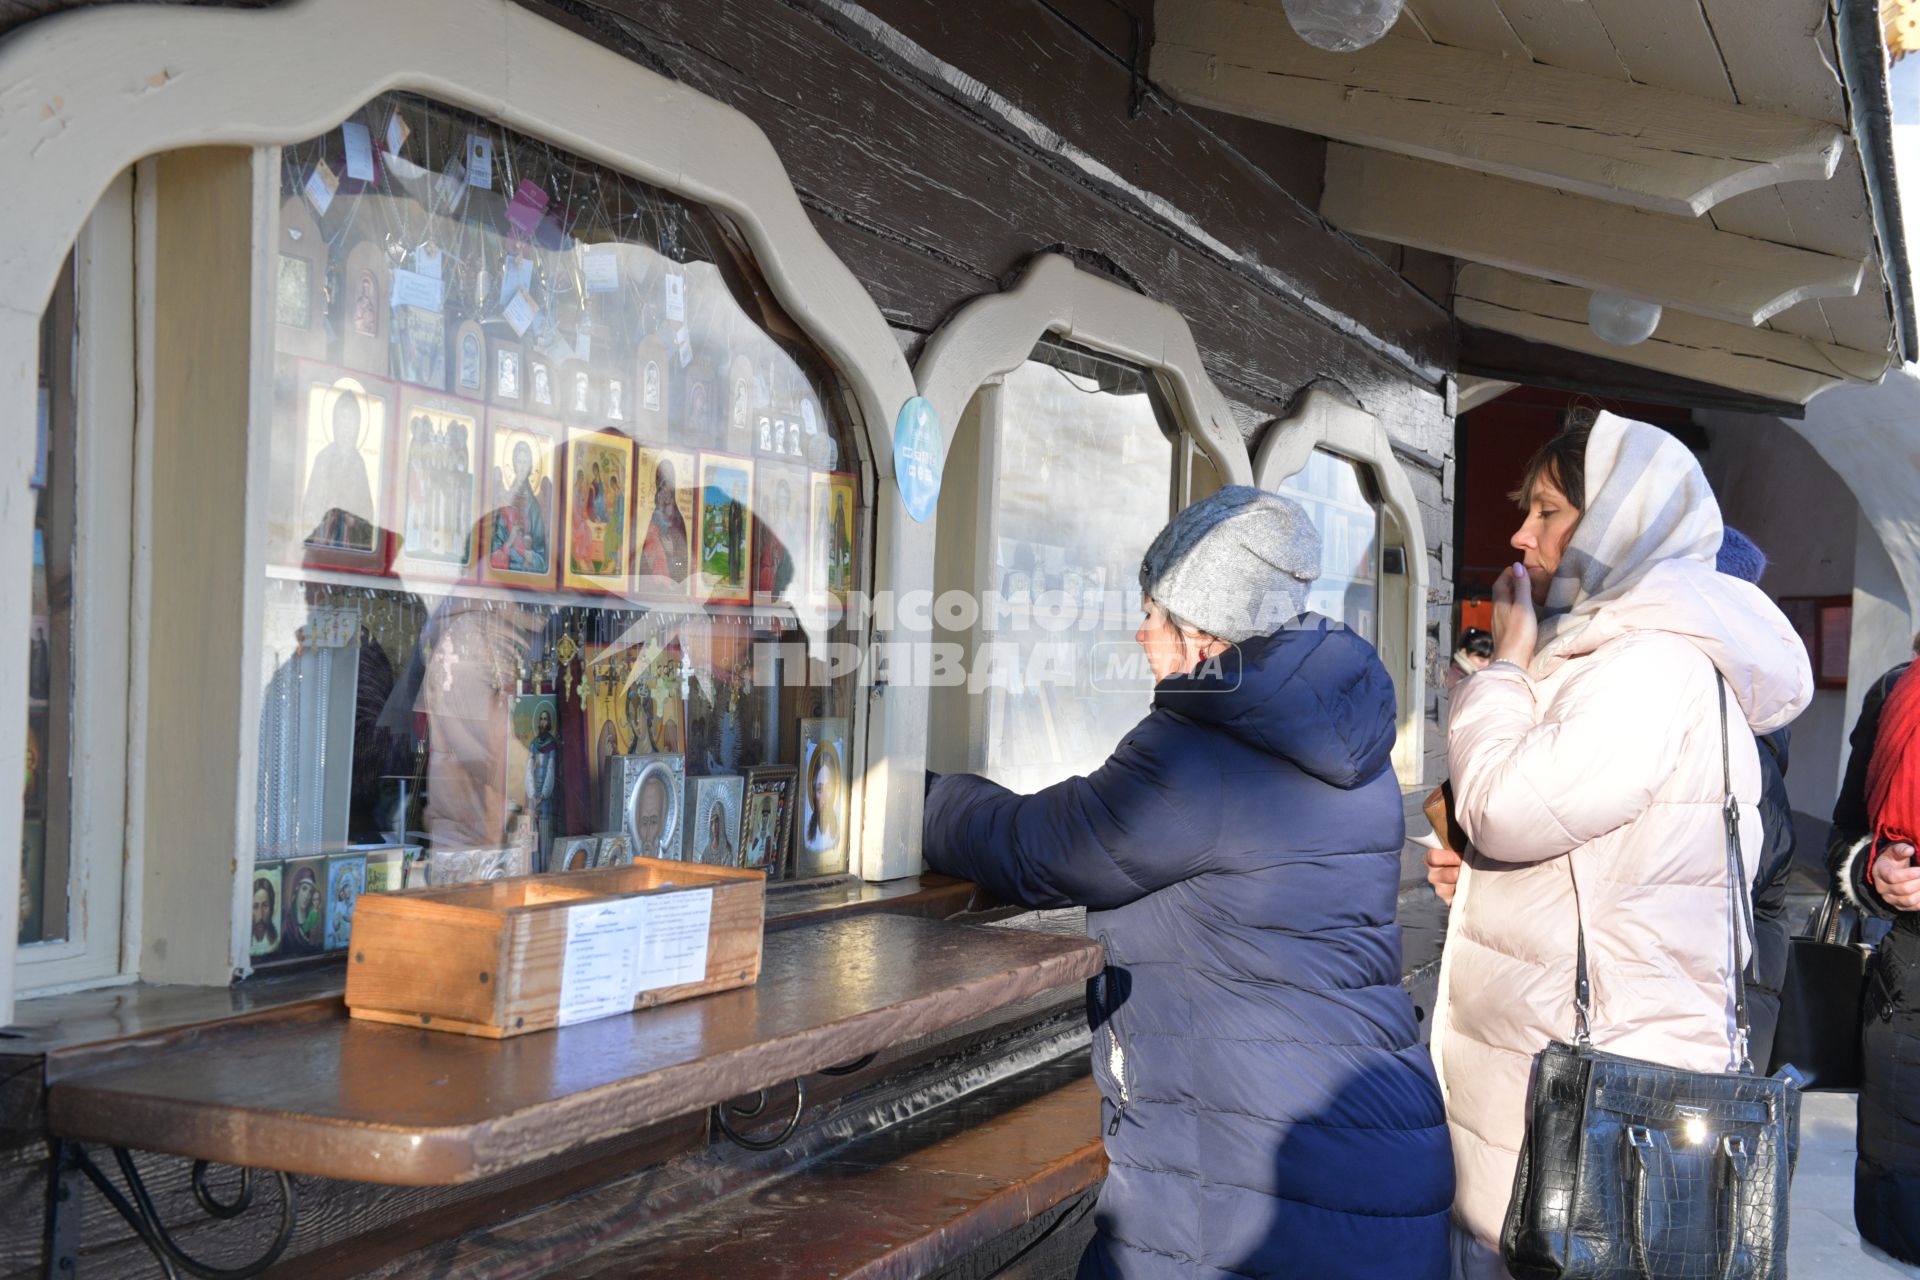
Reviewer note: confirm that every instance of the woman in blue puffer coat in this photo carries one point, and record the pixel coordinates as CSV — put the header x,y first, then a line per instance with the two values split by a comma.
x,y
1268,1108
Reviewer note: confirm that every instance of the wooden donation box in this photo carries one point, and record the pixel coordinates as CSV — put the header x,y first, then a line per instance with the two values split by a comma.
x,y
506,957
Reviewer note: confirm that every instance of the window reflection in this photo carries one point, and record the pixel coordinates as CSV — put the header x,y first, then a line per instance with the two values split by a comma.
x,y
1336,494
1084,482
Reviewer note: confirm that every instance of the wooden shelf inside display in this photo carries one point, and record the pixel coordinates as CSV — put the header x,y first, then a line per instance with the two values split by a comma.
x,y
491,959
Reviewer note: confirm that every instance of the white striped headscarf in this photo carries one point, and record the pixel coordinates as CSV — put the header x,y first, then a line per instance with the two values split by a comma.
x,y
1647,501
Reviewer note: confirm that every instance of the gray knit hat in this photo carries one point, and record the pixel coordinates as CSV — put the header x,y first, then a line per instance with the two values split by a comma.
x,y
1235,565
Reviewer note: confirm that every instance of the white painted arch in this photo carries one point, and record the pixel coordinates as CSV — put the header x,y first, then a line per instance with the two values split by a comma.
x,y
1323,418
993,335
91,92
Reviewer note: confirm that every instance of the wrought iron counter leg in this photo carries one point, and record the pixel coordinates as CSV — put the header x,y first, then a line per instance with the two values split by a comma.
x,y
71,1163
721,1122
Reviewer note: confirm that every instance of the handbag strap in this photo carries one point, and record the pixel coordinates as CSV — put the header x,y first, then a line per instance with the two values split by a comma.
x,y
1739,913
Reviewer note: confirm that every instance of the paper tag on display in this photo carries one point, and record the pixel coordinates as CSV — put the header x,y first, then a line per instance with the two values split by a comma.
x,y
515,277
412,289
405,169
359,150
427,260
398,132
676,296
602,957
527,207
520,313
321,184
673,940
602,270
479,161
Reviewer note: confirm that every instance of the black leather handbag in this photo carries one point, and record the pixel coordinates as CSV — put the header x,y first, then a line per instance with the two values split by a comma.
x,y
1632,1170
1822,1002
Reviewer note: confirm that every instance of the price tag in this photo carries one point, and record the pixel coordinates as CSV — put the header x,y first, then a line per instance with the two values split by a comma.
x,y
321,184
673,940
479,161
359,150
602,958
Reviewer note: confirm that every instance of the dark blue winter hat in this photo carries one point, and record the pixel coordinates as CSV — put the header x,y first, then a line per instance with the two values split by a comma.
x,y
1739,558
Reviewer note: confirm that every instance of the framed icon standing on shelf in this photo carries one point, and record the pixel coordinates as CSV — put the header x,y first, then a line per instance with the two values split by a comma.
x,y
599,540
713,820
436,486
343,516
653,792
725,549
832,536
779,529
522,490
767,820
666,482
820,844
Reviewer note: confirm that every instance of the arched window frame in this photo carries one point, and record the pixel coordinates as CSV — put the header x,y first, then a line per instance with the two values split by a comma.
x,y
94,92
1324,418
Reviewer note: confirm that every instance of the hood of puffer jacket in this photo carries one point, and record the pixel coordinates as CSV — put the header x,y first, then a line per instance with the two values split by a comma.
x,y
1732,622
1312,693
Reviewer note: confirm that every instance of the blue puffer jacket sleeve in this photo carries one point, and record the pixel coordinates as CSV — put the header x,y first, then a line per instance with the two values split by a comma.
x,y
1144,820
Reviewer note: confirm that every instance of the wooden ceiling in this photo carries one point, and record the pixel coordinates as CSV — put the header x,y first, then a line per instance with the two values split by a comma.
x,y
1693,154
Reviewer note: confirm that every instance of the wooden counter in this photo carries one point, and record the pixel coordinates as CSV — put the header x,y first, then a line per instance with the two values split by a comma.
x,y
331,1097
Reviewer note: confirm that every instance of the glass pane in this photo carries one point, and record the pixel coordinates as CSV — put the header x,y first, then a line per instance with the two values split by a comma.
x,y
1334,491
45,864
563,518
1068,680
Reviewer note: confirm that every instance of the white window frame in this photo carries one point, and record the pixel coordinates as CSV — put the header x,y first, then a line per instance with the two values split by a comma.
x,y
960,371
100,724
97,91
1324,416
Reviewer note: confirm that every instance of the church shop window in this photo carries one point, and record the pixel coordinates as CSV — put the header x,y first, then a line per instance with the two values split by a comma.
x,y
1340,499
564,517
1085,479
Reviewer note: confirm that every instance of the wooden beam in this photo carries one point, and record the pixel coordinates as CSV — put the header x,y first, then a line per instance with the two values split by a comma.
x,y
1611,139
1778,366
1489,354
1684,263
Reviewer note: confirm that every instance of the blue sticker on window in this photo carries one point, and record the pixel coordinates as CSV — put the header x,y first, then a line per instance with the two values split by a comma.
x,y
919,455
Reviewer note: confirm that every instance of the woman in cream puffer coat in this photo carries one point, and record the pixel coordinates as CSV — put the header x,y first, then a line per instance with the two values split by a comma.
x,y
1586,767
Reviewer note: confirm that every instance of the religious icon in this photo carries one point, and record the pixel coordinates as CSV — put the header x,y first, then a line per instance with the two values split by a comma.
x,y
833,524
293,303
650,387
780,526
439,484
366,307
582,394
304,916
725,529
340,519
506,381
615,390
419,349
768,818
542,384
823,794
667,483
533,766
599,533
653,791
346,880
713,816
264,941
613,850
520,503
574,853
470,362
386,869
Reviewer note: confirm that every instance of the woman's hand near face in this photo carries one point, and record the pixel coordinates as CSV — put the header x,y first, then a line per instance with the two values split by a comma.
x,y
1516,628
1443,873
